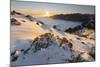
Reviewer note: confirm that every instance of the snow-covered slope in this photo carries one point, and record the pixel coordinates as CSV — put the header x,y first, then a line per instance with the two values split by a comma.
x,y
43,41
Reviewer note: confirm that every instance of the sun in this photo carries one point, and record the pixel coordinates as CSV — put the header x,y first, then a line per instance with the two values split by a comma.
x,y
47,13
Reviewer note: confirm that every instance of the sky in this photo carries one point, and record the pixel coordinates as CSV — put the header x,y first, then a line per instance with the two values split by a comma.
x,y
40,8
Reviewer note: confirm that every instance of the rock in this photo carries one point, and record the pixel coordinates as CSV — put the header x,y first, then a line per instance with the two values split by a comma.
x,y
47,35
23,21
89,25
75,29
70,45
15,12
38,45
15,22
14,55
64,43
26,51
40,23
92,53
30,17
43,42
82,42
57,27
70,30
54,26
14,58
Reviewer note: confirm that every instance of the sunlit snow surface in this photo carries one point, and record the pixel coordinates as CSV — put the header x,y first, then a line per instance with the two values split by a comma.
x,y
23,35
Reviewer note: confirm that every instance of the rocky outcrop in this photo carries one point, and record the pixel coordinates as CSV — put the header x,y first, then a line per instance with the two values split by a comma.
x,y
57,27
15,12
15,22
14,55
30,17
48,39
73,30
49,42
40,23
90,24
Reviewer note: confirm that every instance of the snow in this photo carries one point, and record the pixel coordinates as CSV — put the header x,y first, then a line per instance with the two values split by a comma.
x,y
22,44
53,54
23,35
61,24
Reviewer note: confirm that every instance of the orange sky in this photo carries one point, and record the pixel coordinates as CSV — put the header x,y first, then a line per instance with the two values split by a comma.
x,y
36,12
42,9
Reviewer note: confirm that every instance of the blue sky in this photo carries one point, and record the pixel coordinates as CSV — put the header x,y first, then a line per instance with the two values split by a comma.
x,y
33,7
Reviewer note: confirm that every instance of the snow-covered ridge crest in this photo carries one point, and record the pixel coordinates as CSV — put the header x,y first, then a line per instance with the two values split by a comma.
x,y
52,49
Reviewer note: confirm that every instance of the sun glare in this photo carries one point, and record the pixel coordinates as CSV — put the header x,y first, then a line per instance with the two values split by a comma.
x,y
47,14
